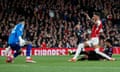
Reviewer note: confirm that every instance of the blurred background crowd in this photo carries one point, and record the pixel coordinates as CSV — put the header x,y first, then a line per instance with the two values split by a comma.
x,y
59,23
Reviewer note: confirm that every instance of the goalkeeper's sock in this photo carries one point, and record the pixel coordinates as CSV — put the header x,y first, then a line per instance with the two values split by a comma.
x,y
7,51
29,47
16,54
79,49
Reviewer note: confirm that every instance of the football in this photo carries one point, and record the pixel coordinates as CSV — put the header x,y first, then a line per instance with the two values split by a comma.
x,y
9,59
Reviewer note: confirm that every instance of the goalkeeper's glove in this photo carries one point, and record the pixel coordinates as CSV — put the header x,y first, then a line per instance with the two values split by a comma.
x,y
22,42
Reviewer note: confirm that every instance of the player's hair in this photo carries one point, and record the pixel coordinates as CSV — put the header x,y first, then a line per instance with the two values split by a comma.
x,y
110,41
97,13
21,19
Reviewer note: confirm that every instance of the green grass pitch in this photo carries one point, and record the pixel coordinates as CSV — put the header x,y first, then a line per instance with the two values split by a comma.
x,y
59,64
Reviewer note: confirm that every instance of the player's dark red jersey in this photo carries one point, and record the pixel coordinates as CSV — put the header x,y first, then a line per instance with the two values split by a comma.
x,y
96,29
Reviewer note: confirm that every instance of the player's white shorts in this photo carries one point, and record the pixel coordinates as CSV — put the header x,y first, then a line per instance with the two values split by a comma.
x,y
93,41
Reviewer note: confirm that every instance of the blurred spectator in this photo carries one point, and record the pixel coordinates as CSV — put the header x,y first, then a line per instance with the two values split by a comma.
x,y
43,45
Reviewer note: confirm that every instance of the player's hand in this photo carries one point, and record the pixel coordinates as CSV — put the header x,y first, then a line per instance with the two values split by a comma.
x,y
87,15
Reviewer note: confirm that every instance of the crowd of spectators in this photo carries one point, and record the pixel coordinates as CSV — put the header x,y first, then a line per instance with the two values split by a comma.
x,y
52,23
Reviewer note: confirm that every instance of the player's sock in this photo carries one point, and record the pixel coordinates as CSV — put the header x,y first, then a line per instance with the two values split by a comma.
x,y
7,51
102,54
28,56
17,53
80,46
29,47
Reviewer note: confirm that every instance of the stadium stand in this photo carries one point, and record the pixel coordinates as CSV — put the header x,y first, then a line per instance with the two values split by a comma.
x,y
52,22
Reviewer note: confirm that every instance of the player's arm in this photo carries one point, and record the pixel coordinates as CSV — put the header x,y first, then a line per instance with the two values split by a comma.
x,y
90,19
19,35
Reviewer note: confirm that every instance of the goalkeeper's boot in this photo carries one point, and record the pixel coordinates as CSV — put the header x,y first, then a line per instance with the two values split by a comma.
x,y
30,60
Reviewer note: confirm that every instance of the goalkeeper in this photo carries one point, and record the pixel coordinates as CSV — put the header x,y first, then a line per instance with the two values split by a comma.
x,y
16,41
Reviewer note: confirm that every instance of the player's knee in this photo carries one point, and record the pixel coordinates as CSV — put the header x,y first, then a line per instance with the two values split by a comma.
x,y
29,45
81,45
97,50
86,44
96,46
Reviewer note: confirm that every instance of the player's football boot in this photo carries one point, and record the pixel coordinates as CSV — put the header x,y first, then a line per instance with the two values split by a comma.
x,y
72,60
112,59
29,60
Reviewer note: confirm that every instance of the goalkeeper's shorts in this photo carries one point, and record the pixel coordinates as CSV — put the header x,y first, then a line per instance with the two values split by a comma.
x,y
15,47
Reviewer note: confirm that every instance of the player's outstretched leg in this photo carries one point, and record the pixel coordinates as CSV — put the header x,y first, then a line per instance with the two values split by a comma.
x,y
28,56
74,59
104,55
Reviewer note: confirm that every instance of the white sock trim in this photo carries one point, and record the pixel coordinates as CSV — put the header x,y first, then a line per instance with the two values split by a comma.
x,y
28,57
